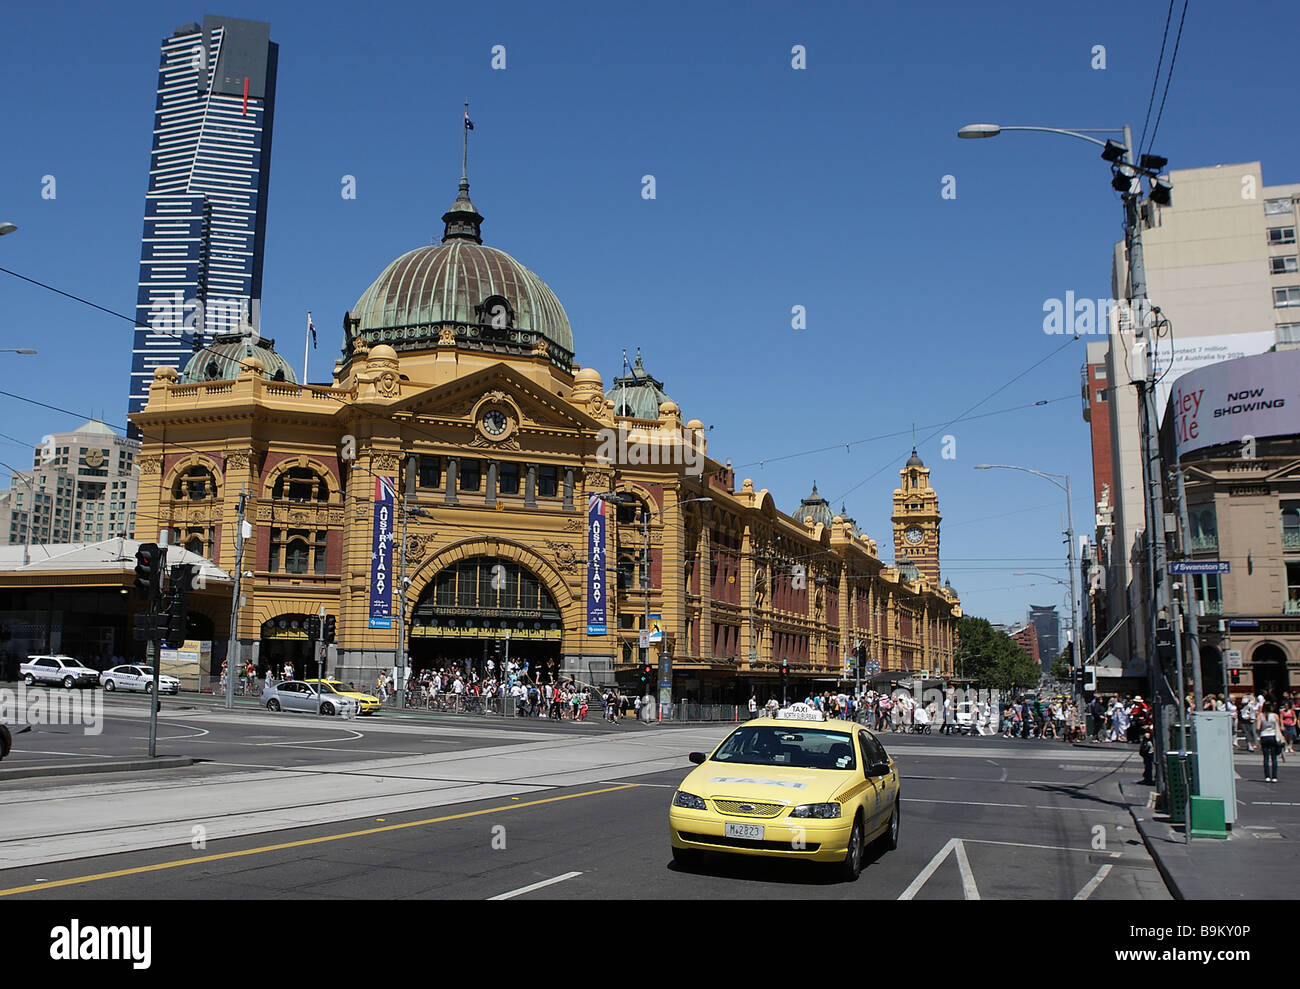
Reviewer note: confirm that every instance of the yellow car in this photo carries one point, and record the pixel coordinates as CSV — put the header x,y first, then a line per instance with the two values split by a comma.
x,y
792,786
366,703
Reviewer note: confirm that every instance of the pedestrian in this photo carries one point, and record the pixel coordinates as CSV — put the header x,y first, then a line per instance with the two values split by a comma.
x,y
1148,752
753,706
1288,725
1270,739
1249,721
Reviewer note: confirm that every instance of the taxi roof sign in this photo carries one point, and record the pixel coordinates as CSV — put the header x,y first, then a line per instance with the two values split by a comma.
x,y
799,712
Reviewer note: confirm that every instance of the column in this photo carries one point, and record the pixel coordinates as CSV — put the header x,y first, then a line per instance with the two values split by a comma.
x,y
530,487
490,484
449,495
706,587
568,489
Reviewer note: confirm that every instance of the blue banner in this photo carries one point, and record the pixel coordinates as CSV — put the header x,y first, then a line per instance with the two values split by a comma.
x,y
596,566
381,555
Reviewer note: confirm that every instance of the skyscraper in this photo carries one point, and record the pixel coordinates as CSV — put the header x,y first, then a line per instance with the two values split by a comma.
x,y
205,211
1047,629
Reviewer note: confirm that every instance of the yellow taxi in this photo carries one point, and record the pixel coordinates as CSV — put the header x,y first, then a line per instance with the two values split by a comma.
x,y
793,786
366,703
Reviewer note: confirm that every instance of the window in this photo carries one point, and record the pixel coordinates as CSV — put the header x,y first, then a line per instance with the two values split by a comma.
x,y
1292,605
196,484
1209,592
546,481
1282,265
195,545
1285,297
1099,373
1281,235
1291,525
1288,332
430,473
1101,394
1205,528
297,551
508,479
1276,207
301,484
470,475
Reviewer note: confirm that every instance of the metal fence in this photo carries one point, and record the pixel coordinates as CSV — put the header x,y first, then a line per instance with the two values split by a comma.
x,y
216,686
683,711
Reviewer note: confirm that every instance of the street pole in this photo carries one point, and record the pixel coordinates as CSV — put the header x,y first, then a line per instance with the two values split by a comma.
x,y
645,595
232,649
1076,655
1192,609
156,595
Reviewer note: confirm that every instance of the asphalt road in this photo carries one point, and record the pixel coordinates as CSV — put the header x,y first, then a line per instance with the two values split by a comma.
x,y
987,819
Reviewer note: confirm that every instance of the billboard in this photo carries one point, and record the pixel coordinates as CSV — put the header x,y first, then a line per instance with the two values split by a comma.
x,y
1236,401
381,555
596,566
1175,358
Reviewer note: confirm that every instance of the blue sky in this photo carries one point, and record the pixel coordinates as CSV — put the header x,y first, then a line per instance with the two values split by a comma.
x,y
775,188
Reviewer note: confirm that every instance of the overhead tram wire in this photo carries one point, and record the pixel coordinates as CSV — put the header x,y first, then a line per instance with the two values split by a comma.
x,y
1155,81
1170,74
959,417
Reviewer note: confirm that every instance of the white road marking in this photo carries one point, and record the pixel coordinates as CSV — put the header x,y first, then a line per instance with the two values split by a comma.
x,y
1052,848
977,803
308,742
79,755
1093,883
963,803
528,889
967,877
924,875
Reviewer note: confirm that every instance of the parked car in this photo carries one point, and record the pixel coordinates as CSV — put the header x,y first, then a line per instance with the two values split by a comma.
x,y
366,703
138,678
58,669
297,695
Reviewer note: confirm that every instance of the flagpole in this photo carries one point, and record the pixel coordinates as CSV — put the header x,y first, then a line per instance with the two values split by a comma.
x,y
306,343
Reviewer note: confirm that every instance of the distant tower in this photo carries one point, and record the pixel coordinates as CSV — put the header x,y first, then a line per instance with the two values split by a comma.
x,y
205,211
916,520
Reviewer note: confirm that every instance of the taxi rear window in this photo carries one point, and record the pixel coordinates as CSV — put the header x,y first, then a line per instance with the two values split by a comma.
x,y
801,748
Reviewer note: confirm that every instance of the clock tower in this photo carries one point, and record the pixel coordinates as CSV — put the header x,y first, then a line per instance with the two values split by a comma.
x,y
916,520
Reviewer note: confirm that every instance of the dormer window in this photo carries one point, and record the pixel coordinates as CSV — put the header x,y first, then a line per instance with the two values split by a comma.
x,y
495,311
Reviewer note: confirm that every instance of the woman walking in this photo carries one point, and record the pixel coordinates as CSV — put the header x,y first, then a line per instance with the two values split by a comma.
x,y
1270,739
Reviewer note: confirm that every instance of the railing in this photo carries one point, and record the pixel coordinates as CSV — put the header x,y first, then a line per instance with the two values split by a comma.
x,y
683,711
216,686
1291,607
1291,538
1204,541
1211,607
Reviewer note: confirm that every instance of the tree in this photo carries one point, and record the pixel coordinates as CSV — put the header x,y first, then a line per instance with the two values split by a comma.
x,y
1062,669
992,657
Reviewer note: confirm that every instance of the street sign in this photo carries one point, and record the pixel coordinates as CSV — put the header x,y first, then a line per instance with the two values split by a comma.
x,y
1201,566
1242,623
656,628
753,656
645,638
1232,657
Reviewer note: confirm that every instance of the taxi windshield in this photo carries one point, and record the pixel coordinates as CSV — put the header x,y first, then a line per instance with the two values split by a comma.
x,y
798,748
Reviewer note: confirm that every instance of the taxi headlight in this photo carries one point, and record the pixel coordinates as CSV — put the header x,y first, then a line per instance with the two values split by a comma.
x,y
816,810
688,800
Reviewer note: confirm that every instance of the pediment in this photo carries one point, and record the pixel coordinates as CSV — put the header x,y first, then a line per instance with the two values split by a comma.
x,y
500,387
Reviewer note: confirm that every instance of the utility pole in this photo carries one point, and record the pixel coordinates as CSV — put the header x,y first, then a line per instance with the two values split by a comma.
x,y
1192,608
155,599
232,648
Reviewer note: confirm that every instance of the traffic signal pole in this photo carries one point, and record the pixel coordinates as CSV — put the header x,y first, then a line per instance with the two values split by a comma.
x,y
155,598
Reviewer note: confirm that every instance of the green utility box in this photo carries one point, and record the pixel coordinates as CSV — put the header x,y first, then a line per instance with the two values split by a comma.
x,y
1174,772
1207,818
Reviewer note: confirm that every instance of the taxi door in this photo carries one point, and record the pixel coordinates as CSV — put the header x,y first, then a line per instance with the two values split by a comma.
x,y
875,802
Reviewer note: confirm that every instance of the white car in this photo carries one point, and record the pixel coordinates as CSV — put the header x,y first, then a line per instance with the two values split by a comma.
x,y
58,669
131,677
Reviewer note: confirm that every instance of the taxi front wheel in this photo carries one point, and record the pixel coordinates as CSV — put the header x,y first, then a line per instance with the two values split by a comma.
x,y
890,838
851,867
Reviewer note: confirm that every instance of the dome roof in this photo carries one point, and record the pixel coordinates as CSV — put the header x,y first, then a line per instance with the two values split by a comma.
x,y
914,460
638,395
460,281
816,506
231,353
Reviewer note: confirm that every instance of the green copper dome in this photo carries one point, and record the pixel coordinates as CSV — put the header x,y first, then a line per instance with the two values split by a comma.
x,y
638,394
231,353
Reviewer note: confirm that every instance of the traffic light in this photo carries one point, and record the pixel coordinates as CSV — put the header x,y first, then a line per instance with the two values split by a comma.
x,y
1164,642
1236,675
329,629
148,571
313,627
646,671
177,622
185,578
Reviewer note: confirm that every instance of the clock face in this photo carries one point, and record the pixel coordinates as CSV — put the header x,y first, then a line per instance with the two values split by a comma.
x,y
913,535
494,422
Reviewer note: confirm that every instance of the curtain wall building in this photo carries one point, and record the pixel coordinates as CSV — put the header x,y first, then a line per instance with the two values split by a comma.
x,y
205,210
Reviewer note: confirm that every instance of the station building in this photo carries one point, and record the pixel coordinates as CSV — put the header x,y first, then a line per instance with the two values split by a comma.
x,y
439,493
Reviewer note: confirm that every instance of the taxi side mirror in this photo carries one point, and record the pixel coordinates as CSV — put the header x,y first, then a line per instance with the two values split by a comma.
x,y
698,757
878,769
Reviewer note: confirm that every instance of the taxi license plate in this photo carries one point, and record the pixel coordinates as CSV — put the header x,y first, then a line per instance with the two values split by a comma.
x,y
754,832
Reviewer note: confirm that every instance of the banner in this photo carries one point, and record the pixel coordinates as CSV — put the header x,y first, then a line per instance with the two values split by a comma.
x,y
381,554
1236,402
596,566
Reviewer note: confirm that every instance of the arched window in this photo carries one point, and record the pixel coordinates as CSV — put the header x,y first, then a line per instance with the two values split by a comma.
x,y
197,484
296,556
301,484
195,545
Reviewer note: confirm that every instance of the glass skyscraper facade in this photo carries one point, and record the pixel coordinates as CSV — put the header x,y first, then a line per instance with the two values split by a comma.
x,y
205,211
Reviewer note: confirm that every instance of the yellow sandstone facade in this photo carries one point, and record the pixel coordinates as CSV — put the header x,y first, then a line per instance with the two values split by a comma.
x,y
457,386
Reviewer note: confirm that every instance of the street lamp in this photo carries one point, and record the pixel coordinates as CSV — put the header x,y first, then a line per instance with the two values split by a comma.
x,y
7,228
20,350
1069,515
1126,176
622,498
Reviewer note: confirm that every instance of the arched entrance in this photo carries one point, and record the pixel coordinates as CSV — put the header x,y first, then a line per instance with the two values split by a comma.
x,y
1211,670
476,611
1268,670
284,640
